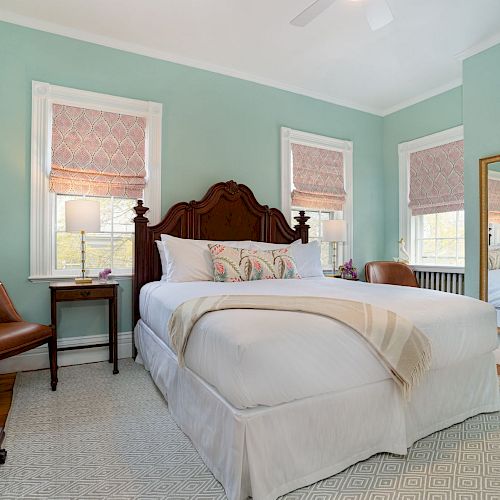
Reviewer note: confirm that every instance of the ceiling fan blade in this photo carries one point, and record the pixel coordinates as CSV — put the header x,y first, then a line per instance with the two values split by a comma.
x,y
311,12
378,14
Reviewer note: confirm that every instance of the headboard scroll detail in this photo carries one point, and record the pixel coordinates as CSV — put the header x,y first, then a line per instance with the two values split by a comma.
x,y
229,211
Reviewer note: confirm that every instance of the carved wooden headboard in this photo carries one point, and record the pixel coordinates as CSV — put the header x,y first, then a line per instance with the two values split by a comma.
x,y
229,211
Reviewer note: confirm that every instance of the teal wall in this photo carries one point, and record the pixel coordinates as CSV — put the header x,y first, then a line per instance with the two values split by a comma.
x,y
433,115
481,108
214,128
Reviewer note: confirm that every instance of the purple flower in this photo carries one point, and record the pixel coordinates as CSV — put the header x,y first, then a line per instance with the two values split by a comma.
x,y
104,274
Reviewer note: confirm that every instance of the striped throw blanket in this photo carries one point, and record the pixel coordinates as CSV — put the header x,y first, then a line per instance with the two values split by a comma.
x,y
398,344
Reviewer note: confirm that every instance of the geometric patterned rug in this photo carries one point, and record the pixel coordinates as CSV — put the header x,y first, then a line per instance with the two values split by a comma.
x,y
102,436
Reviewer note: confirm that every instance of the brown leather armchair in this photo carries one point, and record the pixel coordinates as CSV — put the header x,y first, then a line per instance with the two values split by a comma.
x,y
17,336
390,273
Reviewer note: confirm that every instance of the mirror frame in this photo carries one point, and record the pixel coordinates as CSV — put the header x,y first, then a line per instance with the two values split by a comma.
x,y
483,224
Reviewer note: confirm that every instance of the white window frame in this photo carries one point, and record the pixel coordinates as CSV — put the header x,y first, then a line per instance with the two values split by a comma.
x,y
42,224
290,136
405,149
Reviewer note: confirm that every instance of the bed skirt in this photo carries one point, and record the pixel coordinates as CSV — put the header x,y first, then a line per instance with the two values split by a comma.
x,y
265,452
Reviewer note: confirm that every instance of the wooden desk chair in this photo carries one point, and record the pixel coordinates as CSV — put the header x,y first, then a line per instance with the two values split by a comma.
x,y
390,273
17,336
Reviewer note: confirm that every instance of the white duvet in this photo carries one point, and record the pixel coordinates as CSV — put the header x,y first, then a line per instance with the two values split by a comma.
x,y
271,357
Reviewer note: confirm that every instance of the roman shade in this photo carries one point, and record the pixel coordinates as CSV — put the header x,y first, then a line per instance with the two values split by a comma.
x,y
494,201
318,178
97,153
437,179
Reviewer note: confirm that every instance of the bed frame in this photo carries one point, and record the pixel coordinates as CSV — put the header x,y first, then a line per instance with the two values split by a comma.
x,y
229,211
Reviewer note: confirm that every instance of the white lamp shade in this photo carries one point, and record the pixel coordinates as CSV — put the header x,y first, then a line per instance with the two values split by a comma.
x,y
83,215
334,230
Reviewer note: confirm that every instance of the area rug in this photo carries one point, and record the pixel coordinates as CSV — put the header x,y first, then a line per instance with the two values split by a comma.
x,y
103,436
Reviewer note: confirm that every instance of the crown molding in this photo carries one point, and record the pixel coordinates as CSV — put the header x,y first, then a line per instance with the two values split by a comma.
x,y
85,36
479,47
422,97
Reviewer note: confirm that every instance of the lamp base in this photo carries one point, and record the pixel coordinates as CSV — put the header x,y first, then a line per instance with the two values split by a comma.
x,y
83,281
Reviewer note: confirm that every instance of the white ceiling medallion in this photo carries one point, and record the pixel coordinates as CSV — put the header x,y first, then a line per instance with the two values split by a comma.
x,y
377,12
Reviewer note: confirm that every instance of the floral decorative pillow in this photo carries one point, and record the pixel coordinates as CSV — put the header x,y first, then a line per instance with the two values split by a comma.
x,y
228,263
238,264
284,264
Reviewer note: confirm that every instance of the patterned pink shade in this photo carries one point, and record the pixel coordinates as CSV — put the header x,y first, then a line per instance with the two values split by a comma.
x,y
96,153
437,179
493,201
318,178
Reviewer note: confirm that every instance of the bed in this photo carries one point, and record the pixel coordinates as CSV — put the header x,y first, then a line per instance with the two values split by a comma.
x,y
272,400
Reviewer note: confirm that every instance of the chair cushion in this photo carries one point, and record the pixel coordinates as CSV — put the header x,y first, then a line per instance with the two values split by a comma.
x,y
19,336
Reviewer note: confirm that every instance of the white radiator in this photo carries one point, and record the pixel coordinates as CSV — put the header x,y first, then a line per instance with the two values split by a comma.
x,y
445,279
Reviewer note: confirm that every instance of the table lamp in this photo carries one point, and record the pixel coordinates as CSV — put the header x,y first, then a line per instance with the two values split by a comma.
x,y
83,216
334,231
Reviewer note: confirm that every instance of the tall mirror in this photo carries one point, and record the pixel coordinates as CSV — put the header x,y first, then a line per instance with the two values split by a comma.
x,y
489,286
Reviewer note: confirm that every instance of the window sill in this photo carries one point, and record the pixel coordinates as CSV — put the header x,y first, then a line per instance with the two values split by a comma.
x,y
438,269
48,279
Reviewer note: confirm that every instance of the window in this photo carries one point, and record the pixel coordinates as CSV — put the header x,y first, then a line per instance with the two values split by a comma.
x,y
111,247
317,178
439,238
90,145
432,199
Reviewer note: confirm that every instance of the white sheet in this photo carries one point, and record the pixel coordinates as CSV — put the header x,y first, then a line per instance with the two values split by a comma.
x,y
272,357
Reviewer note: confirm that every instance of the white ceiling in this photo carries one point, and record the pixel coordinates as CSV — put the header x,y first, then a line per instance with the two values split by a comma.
x,y
336,57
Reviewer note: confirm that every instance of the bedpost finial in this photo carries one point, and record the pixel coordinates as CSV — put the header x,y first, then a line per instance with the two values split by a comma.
x,y
140,210
232,186
302,228
302,218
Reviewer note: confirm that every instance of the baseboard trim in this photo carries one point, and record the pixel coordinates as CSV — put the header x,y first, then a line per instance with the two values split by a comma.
x,y
38,358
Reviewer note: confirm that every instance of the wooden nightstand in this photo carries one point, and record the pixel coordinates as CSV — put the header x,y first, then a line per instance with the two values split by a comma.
x,y
66,291
340,277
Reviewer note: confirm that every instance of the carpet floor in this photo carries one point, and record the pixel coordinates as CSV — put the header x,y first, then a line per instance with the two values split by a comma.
x,y
103,436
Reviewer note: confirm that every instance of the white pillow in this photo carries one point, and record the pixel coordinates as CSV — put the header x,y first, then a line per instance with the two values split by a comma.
x,y
262,245
163,257
307,256
189,260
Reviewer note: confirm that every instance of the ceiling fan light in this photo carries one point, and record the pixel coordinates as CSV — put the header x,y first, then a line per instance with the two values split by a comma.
x,y
378,14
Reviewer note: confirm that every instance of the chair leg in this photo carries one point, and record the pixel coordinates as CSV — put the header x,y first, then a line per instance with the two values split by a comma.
x,y
53,361
3,453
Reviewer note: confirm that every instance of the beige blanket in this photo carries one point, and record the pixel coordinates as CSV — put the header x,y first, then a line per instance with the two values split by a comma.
x,y
402,348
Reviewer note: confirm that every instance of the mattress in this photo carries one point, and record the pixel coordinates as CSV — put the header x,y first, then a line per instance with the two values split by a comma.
x,y
267,358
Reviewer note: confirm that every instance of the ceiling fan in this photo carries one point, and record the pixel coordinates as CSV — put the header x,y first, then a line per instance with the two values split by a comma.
x,y
378,14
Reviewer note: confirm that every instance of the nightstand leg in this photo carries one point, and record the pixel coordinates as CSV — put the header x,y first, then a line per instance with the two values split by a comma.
x,y
110,330
53,341
115,333
53,360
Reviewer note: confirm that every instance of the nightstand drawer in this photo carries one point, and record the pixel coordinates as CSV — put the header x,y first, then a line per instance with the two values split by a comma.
x,y
86,293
